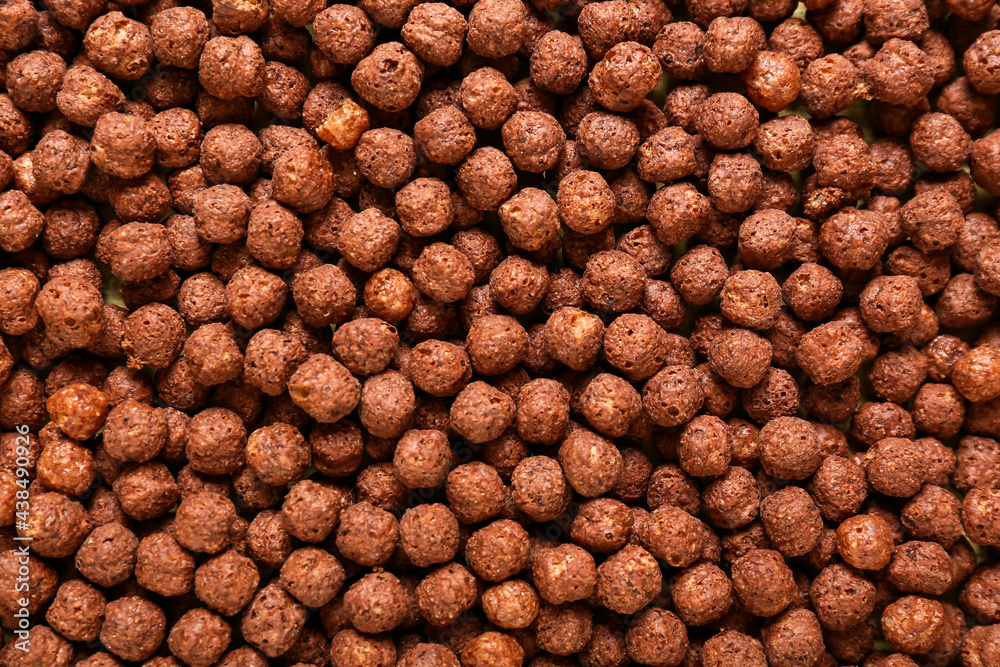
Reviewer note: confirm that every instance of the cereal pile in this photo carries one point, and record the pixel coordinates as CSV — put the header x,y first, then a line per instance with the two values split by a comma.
x,y
500,333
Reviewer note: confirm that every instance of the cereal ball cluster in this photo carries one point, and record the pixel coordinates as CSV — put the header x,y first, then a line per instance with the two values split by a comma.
x,y
500,333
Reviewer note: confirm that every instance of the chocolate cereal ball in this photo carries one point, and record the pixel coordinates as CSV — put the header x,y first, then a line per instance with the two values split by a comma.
x,y
539,488
727,121
763,583
133,628
913,624
673,396
789,448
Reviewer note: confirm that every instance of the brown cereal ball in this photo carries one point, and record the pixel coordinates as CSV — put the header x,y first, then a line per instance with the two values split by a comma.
x,y
865,542
387,403
163,566
77,611
258,629
875,421
277,454
486,179
199,638
530,219
628,72
435,33
511,605
324,389
563,574
133,628
20,21
657,637
439,368
231,67
376,603
978,598
475,492
702,594
731,44
388,295
212,355
33,80
789,448
574,337
635,345
842,598
895,467
353,649
203,522
705,447
78,409
812,292
312,509
607,141
933,220
518,284
118,46
385,157
962,304
343,33
492,649
613,281
772,80
534,140
898,73
123,145
939,141
679,48
178,36
672,396
389,77
920,567
22,222
792,521
751,299
792,638
135,431
731,649
366,534
763,583
496,28
445,135
324,295
498,551
592,465
727,121
938,409
481,413
429,534
975,373
443,273
424,207
979,516
830,353
270,360
586,202
913,624
890,303
671,534
767,237
221,213
230,153
980,63
540,489
558,62
731,500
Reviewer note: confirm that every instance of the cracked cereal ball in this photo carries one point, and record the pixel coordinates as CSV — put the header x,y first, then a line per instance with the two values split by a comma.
x,y
543,409
673,396
728,121
913,624
79,410
163,566
890,303
751,299
203,522
133,628
498,551
539,488
789,448
625,75
429,535
574,337
118,46
77,611
792,521
763,583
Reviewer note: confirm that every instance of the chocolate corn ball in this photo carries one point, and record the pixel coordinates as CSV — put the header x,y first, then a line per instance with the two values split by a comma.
x,y
78,409
324,389
563,574
731,500
912,624
607,141
586,202
865,542
498,551
574,337
375,603
133,628
751,299
443,273
445,135
77,611
558,62
135,432
763,583
673,396
625,75
203,522
890,303
481,413
146,491
108,556
269,638
163,566
429,534
789,448
727,121
539,487
842,598
730,648
389,77
792,521
534,140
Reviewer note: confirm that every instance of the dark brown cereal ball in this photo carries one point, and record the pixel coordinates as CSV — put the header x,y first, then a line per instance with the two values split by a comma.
x,y
439,368
672,396
20,21
702,594
134,628
785,143
221,213
270,360
728,121
389,77
939,141
920,567
123,145
387,404
751,299
613,281
830,353
842,598
933,219
899,73
938,409
353,649
671,534
386,157
77,611
539,487
496,344
230,153
890,303
792,521
591,464
424,207
980,63
213,355
366,534
325,295
498,551
231,67
203,522
635,345
475,492
496,28
731,44
344,33
428,655
628,72
33,80
767,237
146,491
311,510
913,624
962,304
108,556
163,566
135,431
731,500
705,447
481,413
558,62
486,179
435,33
763,583
445,135
277,454
429,534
